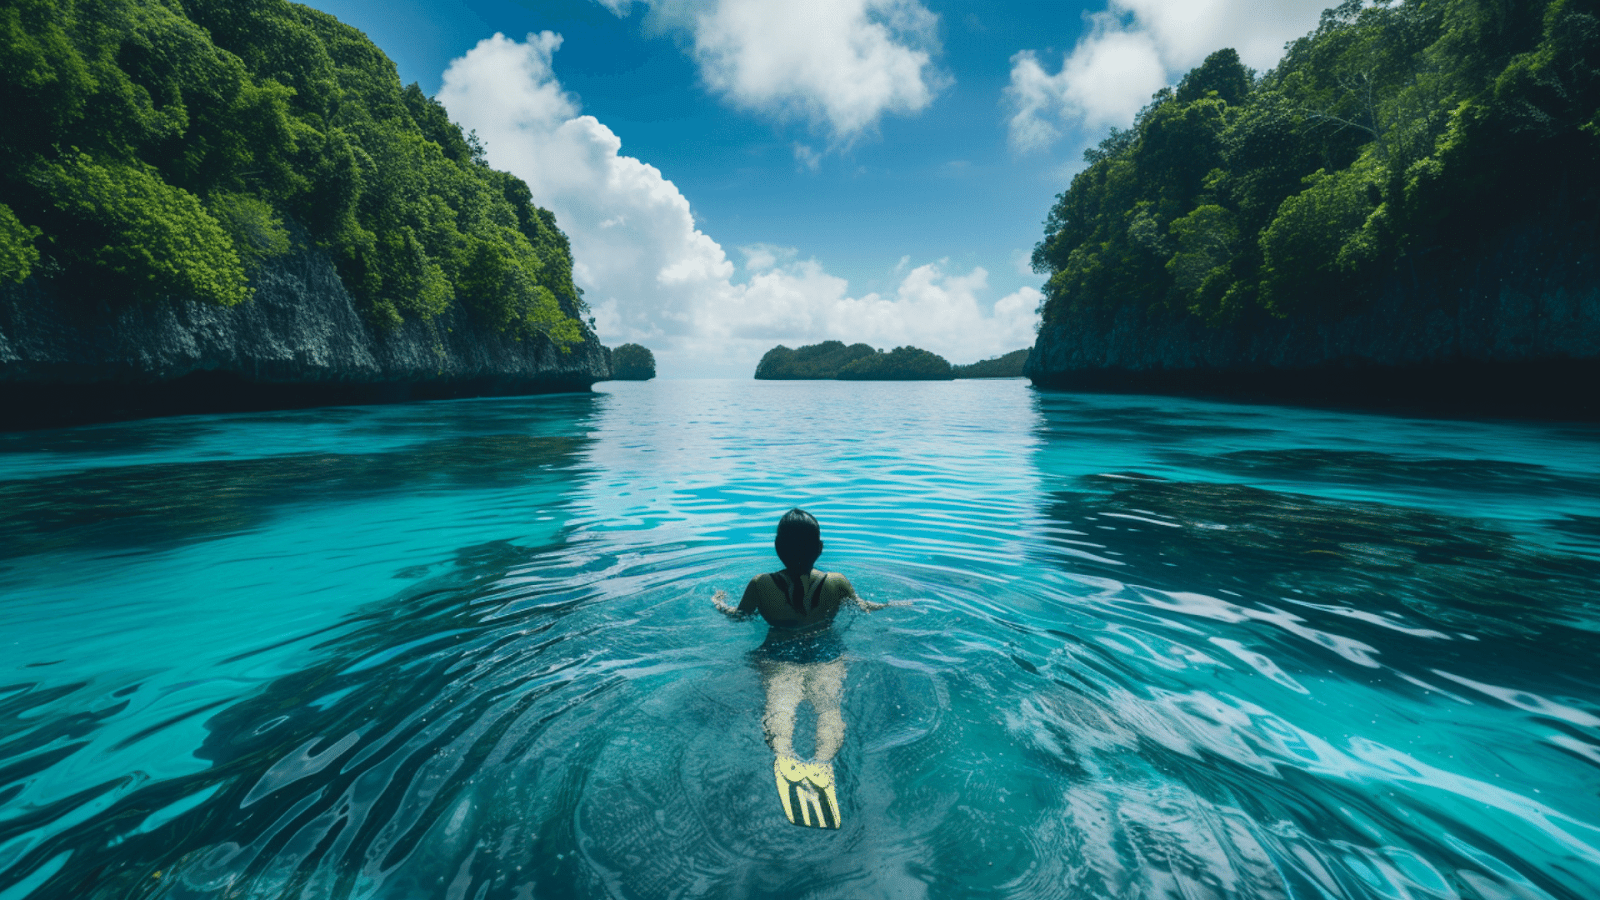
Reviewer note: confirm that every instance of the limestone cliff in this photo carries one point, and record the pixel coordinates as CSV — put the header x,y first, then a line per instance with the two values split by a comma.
x,y
1510,326
298,342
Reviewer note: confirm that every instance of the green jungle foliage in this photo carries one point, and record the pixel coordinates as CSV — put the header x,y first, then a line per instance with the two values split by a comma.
x,y
166,147
822,360
1007,366
1393,129
857,362
899,364
631,362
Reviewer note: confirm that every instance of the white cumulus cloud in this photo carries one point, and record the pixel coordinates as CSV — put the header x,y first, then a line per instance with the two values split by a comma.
x,y
1190,30
760,257
652,276
839,65
1134,48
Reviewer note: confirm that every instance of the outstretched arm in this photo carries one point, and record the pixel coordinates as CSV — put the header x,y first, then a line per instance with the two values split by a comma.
x,y
864,604
720,601
746,607
868,605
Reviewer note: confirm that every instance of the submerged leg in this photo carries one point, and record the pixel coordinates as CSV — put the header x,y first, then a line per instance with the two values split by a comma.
x,y
824,687
785,685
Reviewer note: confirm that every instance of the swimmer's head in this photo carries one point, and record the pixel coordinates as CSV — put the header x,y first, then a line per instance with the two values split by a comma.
x,y
799,541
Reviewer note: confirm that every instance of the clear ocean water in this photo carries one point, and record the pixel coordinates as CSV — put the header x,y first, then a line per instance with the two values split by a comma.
x,y
1153,648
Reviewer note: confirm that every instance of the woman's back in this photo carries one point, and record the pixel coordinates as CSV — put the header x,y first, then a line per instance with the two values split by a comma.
x,y
797,603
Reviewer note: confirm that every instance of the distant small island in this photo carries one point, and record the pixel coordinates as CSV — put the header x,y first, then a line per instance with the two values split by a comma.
x,y
1006,366
857,362
860,362
632,362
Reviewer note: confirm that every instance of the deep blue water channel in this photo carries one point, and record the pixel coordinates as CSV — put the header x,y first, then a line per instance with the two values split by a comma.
x,y
1153,648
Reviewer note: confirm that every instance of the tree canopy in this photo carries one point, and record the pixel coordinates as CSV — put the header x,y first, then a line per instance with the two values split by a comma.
x,y
1006,366
822,360
857,362
899,364
164,148
632,362
1392,129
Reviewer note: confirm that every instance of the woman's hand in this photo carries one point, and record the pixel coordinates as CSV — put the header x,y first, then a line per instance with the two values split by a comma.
x,y
720,601
869,606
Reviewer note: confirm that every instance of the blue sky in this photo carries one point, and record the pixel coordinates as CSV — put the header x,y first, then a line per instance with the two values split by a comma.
x,y
736,174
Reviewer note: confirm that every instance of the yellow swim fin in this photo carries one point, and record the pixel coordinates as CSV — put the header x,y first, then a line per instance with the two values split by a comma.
x,y
807,792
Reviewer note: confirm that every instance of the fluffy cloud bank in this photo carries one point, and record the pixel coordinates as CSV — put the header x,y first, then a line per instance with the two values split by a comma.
x,y
838,64
1134,48
653,277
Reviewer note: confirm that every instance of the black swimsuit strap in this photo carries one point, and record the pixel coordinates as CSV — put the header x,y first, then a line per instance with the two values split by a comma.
x,y
816,591
788,594
801,602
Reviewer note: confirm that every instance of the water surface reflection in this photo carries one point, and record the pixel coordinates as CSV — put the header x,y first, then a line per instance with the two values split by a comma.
x,y
1154,649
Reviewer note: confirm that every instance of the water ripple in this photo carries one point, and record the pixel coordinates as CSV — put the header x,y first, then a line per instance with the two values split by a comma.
x,y
466,650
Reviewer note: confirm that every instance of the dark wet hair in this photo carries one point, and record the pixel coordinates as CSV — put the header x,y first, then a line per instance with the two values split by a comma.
x,y
799,540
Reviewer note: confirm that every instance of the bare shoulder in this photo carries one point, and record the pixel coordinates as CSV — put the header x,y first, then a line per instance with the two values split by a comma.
x,y
838,585
762,586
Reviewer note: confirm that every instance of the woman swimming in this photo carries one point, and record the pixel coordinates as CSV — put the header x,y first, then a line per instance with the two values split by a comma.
x,y
801,659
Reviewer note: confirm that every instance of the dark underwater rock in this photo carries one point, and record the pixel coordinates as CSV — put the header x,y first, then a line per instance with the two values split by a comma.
x,y
299,342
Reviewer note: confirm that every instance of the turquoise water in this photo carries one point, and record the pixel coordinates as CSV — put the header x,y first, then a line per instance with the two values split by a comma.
x,y
1153,648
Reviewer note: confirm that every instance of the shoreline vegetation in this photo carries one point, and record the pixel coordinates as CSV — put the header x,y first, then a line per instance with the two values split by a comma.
x,y
1007,365
1414,185
1392,131
632,362
157,151
175,177
832,360
221,205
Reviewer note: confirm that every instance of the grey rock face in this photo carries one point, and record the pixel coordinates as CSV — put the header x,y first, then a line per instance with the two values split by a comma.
x,y
298,342
1519,313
